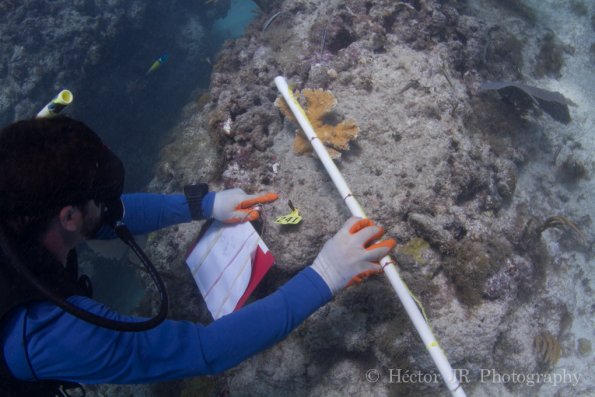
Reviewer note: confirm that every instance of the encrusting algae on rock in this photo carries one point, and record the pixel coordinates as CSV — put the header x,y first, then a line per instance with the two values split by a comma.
x,y
415,248
334,134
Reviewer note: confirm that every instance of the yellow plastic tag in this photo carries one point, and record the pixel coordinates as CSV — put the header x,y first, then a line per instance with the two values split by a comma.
x,y
293,218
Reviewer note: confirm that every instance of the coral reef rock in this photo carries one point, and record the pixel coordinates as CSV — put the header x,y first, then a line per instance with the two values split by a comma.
x,y
435,159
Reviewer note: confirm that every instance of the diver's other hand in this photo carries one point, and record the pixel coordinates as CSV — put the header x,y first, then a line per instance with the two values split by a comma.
x,y
234,205
350,255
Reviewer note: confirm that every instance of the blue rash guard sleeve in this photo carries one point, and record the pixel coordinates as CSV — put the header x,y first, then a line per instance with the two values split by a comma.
x,y
41,341
146,212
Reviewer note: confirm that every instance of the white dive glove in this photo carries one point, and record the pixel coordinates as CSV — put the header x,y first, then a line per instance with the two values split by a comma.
x,y
349,256
234,205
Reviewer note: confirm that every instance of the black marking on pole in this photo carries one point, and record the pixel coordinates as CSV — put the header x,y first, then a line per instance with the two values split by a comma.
x,y
390,262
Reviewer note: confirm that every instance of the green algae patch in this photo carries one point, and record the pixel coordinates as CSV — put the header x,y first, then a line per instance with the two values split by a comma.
x,y
415,248
468,264
584,347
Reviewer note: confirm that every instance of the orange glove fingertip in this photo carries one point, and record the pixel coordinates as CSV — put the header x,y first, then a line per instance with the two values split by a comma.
x,y
361,277
253,215
265,198
361,224
388,243
376,236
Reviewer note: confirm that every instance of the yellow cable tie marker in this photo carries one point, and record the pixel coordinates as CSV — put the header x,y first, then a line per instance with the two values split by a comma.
x,y
293,218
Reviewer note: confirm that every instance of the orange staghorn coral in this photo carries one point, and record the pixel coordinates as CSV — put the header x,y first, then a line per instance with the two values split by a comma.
x,y
319,109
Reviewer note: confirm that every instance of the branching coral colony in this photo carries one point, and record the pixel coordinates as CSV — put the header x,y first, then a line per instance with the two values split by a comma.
x,y
335,134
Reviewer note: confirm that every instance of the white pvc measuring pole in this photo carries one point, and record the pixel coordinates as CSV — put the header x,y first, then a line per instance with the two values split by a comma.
x,y
56,105
389,266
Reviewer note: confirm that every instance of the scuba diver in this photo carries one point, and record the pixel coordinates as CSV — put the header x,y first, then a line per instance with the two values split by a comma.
x,y
60,185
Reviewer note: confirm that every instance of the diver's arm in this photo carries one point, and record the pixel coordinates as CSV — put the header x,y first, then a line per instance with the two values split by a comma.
x,y
146,212
59,346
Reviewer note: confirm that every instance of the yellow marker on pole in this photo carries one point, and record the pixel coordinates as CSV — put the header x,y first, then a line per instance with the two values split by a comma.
x,y
56,105
387,263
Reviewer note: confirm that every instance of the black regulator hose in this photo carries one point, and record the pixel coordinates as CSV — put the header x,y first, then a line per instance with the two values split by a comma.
x,y
137,326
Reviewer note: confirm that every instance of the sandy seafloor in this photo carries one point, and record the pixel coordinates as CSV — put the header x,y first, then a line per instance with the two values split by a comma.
x,y
456,174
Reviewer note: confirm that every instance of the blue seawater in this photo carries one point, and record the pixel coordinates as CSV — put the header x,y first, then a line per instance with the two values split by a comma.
x,y
241,13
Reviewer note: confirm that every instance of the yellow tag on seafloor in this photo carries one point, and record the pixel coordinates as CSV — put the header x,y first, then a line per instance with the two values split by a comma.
x,y
293,218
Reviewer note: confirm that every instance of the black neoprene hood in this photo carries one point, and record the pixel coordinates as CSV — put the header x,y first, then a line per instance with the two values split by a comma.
x,y
46,164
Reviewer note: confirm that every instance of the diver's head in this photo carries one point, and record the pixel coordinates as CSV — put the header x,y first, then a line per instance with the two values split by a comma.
x,y
49,164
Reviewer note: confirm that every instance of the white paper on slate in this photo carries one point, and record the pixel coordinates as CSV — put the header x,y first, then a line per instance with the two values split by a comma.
x,y
221,264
